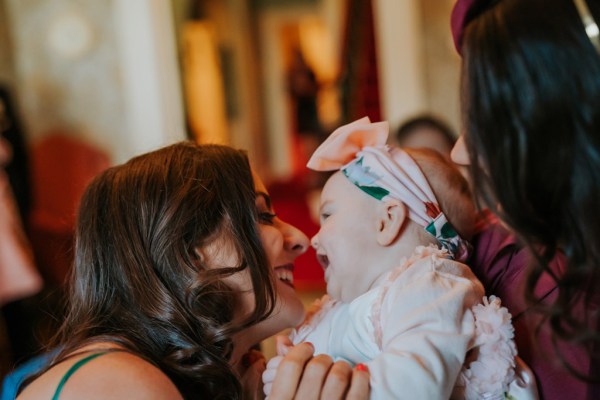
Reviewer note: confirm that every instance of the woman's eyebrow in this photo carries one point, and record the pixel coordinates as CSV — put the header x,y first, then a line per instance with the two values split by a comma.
x,y
266,197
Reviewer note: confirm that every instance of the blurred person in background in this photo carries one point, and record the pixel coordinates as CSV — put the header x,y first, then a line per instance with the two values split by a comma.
x,y
19,278
426,131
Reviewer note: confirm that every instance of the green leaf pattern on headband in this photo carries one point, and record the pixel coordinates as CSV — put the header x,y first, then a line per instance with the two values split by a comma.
x,y
364,179
446,236
446,232
431,229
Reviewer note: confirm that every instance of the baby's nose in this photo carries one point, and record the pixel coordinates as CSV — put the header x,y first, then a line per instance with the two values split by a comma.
x,y
314,242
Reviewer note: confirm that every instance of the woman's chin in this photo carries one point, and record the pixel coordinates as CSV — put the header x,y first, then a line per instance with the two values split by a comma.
x,y
289,309
281,319
288,313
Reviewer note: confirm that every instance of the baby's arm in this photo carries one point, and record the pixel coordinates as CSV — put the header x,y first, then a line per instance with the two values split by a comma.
x,y
426,329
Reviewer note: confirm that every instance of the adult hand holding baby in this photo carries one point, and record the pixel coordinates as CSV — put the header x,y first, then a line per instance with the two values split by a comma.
x,y
303,375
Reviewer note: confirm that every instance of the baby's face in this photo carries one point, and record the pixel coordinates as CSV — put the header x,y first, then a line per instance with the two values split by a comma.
x,y
346,244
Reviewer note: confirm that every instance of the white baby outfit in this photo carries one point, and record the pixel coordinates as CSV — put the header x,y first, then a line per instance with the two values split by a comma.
x,y
412,329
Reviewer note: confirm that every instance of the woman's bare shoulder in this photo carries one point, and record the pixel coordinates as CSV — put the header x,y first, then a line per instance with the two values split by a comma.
x,y
114,375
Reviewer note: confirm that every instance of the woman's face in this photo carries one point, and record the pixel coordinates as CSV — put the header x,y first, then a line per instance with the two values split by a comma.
x,y
459,154
282,244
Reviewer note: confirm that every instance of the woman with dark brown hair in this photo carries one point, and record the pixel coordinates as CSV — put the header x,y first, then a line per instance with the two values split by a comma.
x,y
531,106
181,267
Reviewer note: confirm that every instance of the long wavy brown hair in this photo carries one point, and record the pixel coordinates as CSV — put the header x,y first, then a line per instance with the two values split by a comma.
x,y
531,102
138,280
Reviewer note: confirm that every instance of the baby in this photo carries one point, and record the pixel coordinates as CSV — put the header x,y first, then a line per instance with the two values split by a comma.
x,y
399,299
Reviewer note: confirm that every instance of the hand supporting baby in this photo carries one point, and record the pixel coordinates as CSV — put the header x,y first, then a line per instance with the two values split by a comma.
x,y
297,373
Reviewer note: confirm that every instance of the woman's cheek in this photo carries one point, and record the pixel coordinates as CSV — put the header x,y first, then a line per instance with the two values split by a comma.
x,y
272,241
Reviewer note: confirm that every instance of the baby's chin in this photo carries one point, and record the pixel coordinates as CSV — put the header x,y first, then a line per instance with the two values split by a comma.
x,y
334,293
343,297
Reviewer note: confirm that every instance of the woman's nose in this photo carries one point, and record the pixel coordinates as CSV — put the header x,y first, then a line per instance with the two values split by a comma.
x,y
296,240
459,154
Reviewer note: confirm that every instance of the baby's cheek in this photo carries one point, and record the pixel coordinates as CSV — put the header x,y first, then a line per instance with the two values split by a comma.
x,y
333,289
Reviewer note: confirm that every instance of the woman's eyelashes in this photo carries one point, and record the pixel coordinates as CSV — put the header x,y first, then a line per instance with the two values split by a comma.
x,y
263,207
266,217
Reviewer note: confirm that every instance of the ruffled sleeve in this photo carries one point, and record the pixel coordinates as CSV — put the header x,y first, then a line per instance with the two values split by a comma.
x,y
426,329
317,324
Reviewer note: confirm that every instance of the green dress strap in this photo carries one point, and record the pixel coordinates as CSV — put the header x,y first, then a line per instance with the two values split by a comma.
x,y
72,370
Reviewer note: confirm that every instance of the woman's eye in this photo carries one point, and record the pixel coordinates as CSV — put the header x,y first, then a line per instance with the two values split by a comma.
x,y
266,217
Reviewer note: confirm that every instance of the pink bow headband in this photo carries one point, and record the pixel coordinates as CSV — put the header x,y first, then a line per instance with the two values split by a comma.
x,y
359,150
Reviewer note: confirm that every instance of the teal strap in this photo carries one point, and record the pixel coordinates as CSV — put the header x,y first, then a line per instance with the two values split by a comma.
x,y
72,370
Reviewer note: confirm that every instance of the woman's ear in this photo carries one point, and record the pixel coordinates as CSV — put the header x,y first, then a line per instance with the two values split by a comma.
x,y
391,218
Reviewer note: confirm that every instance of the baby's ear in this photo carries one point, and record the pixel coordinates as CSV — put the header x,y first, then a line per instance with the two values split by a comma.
x,y
391,218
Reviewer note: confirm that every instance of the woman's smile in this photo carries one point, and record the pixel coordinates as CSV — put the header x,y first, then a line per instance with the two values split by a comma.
x,y
285,273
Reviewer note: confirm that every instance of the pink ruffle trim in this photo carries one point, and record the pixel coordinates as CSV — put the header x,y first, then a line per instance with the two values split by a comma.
x,y
492,368
315,313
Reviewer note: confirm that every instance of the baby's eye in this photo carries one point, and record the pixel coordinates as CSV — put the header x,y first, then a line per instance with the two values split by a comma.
x,y
324,216
266,217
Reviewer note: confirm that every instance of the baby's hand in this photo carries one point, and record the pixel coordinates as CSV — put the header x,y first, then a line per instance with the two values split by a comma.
x,y
282,345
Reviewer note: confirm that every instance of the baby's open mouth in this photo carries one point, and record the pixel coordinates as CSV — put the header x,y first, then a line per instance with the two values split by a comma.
x,y
285,273
323,260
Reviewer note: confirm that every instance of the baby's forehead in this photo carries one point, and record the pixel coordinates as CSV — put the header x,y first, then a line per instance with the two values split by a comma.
x,y
336,183
339,188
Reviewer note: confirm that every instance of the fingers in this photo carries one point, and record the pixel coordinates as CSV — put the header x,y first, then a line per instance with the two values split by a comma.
x,y
337,381
359,387
324,379
299,375
290,371
315,372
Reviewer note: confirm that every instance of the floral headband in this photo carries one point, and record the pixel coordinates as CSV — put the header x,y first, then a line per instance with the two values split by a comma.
x,y
359,150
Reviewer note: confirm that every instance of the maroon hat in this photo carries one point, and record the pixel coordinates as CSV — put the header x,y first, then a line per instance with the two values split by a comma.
x,y
465,11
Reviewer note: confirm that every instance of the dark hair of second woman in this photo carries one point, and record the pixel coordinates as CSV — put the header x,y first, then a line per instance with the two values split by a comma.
x,y
531,95
137,279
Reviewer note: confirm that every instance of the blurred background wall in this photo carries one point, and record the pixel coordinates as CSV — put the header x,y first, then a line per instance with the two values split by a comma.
x,y
122,74
94,83
105,71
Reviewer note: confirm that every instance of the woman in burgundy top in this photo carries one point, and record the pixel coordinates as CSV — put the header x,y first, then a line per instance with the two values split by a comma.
x,y
531,114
